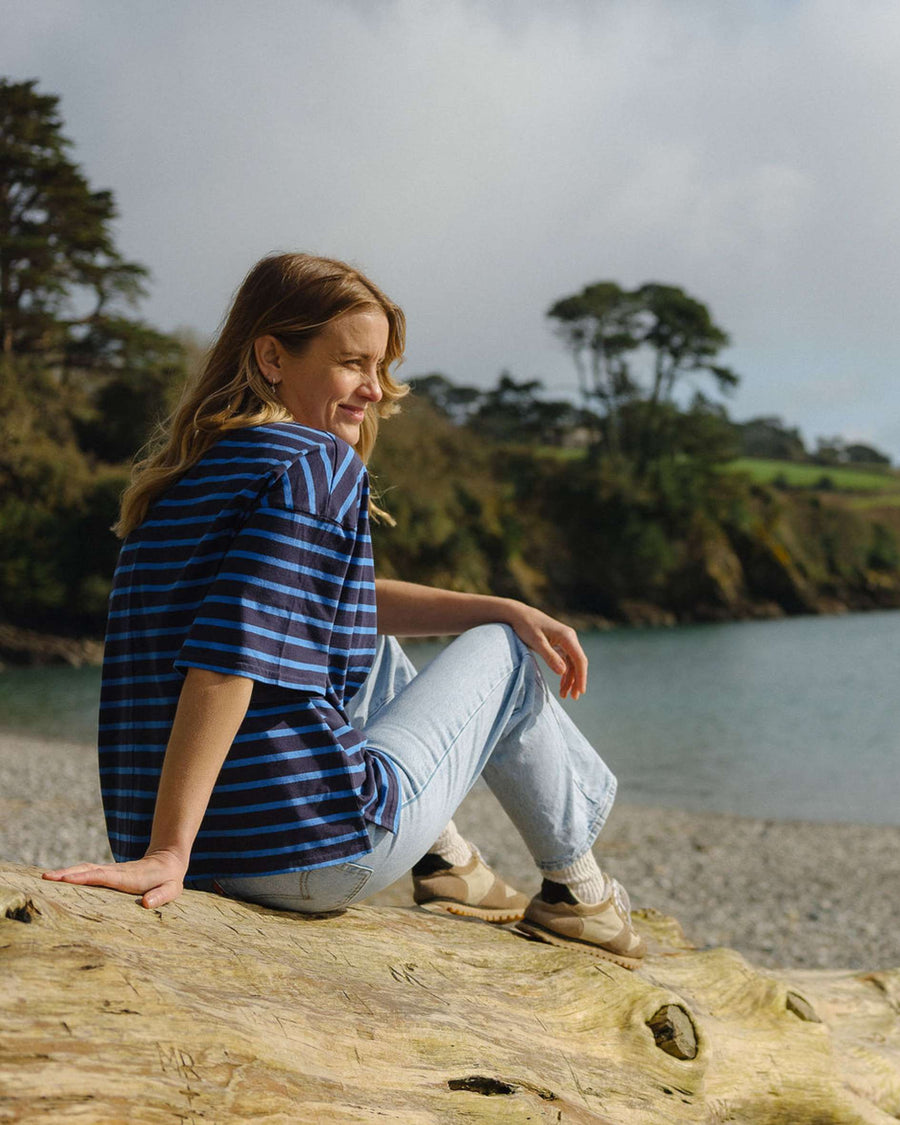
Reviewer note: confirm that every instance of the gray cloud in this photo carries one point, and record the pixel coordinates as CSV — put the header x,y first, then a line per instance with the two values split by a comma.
x,y
483,159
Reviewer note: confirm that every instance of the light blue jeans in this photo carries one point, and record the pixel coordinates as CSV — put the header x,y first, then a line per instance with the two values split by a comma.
x,y
479,709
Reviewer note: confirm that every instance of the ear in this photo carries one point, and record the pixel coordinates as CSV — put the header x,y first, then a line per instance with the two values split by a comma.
x,y
267,351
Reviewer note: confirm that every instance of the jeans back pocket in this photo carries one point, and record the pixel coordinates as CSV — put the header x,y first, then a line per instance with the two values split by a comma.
x,y
316,890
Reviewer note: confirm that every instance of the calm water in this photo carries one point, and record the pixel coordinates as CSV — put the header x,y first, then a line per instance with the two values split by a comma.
x,y
783,719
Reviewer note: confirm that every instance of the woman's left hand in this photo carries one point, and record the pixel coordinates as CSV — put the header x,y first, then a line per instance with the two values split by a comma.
x,y
555,642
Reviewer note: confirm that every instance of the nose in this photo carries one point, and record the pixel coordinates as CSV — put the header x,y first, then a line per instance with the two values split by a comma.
x,y
371,388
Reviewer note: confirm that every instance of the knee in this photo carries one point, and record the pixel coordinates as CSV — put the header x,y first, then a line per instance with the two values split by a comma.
x,y
500,638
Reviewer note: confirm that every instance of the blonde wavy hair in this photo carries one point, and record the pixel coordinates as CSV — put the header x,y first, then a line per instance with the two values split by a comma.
x,y
288,296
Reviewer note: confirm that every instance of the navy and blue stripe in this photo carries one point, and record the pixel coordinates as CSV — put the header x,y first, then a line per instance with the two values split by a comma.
x,y
258,563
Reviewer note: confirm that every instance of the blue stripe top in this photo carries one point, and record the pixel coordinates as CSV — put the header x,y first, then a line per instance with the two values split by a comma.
x,y
257,563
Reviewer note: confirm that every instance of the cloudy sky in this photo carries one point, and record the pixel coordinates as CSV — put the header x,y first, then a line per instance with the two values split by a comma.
x,y
482,158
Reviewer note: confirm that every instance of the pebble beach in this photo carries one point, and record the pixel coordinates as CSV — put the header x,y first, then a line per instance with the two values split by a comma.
x,y
790,894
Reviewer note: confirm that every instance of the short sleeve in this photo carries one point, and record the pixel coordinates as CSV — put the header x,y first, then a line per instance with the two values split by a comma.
x,y
269,613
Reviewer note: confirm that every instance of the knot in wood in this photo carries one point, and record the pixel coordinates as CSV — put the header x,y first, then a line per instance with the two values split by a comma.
x,y
482,1084
801,1007
16,906
674,1031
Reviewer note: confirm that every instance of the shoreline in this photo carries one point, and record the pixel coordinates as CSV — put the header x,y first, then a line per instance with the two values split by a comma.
x,y
786,894
20,647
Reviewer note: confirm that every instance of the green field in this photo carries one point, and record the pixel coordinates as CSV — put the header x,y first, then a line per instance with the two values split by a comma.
x,y
862,486
866,479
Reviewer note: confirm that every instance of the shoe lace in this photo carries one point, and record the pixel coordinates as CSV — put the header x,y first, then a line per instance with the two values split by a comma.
x,y
620,895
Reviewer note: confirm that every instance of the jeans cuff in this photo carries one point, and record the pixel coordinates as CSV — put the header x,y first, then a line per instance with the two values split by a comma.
x,y
594,829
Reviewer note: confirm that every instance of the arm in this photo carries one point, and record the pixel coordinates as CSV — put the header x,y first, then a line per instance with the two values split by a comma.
x,y
409,610
210,710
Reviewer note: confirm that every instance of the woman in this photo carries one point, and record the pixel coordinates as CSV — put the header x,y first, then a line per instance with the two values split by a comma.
x,y
261,733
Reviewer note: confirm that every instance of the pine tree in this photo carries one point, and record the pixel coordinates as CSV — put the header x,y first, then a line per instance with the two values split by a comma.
x,y
59,268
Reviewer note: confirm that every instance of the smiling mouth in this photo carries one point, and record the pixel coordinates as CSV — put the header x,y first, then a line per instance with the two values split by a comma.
x,y
356,412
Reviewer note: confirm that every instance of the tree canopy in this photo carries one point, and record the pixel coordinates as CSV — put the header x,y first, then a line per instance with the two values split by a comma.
x,y
67,294
637,347
82,379
59,267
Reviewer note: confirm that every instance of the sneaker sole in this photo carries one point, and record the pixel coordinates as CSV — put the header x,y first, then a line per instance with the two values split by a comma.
x,y
541,933
496,915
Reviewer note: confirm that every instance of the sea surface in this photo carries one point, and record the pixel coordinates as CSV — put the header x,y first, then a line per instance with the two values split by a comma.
x,y
790,719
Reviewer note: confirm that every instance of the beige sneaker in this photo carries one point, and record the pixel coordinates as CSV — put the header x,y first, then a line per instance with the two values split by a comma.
x,y
470,889
603,929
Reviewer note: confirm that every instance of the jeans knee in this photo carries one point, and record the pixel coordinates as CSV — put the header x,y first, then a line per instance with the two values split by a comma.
x,y
496,633
497,640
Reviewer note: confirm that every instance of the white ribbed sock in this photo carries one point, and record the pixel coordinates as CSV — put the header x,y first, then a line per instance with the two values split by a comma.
x,y
452,847
583,878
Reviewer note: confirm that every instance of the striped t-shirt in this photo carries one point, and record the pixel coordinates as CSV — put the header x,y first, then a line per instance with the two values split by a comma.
x,y
257,563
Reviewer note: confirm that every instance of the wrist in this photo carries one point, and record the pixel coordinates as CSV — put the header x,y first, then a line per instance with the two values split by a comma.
x,y
175,854
506,610
486,609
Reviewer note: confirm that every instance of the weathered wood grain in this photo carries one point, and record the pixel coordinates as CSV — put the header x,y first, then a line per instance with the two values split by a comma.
x,y
215,1011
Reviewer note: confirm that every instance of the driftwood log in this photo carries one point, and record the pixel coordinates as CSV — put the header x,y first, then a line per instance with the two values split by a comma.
x,y
216,1011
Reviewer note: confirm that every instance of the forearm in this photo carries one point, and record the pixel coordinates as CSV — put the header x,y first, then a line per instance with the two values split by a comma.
x,y
406,609
210,710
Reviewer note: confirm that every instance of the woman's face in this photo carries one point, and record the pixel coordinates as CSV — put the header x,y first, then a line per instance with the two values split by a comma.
x,y
335,379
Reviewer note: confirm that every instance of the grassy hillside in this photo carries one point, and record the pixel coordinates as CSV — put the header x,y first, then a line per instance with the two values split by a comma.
x,y
869,479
